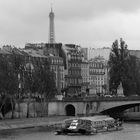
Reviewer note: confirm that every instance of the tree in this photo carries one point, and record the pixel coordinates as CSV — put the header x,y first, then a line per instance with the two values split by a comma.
x,y
137,75
39,79
28,84
8,83
118,65
123,69
44,82
132,85
18,65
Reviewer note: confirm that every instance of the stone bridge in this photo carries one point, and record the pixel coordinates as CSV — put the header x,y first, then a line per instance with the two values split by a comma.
x,y
87,106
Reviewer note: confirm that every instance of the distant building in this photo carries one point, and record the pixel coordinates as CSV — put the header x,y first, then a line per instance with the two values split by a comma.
x,y
101,52
135,53
98,73
33,58
52,49
52,53
34,46
73,78
85,53
7,48
85,75
57,66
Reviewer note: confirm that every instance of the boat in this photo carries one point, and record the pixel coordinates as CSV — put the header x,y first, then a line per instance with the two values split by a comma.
x,y
90,125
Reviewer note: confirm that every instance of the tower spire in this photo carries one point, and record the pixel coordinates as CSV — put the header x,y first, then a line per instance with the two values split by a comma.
x,y
51,27
51,7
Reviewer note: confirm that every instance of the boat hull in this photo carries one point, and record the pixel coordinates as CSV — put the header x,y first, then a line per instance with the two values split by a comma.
x,y
85,132
67,131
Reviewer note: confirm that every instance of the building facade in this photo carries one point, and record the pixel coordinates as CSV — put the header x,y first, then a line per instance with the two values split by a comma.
x,y
73,78
57,66
98,73
85,76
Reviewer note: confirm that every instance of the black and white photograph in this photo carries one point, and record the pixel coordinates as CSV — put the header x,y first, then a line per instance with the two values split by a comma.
x,y
69,69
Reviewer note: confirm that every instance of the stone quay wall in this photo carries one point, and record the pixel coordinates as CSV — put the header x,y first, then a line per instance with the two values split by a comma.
x,y
32,109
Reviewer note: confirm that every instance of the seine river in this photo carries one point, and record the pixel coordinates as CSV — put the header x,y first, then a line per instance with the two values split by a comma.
x,y
131,131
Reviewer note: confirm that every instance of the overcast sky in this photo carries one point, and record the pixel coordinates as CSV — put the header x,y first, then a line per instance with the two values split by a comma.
x,y
90,23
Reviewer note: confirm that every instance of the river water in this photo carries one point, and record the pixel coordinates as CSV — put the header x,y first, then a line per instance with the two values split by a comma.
x,y
131,131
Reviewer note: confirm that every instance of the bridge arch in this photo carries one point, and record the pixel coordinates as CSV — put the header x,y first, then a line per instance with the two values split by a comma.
x,y
70,110
118,110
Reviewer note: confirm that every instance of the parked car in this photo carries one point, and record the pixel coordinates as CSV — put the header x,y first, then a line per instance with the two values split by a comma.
x,y
108,96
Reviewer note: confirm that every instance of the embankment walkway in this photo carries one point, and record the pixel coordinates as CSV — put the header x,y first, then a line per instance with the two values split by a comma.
x,y
9,124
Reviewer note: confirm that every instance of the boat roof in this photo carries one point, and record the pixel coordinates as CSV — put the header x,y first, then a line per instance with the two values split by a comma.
x,y
98,118
92,118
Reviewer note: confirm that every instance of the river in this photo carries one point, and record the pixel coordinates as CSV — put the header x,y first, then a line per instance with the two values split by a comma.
x,y
131,131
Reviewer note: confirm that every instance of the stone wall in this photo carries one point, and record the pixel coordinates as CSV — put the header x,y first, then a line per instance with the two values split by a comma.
x,y
35,109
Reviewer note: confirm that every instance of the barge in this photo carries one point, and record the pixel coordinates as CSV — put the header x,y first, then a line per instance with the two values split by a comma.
x,y
90,125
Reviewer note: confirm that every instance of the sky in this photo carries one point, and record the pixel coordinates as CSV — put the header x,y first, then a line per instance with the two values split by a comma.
x,y
89,23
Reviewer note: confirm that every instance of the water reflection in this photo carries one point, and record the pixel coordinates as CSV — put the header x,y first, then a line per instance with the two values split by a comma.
x,y
131,132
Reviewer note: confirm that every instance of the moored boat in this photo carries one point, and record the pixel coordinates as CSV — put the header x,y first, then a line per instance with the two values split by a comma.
x,y
90,125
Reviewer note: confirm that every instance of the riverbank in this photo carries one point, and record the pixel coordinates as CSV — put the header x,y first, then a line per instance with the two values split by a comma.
x,y
50,122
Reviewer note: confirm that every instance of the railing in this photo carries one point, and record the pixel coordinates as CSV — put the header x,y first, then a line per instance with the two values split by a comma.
x,y
132,98
135,98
